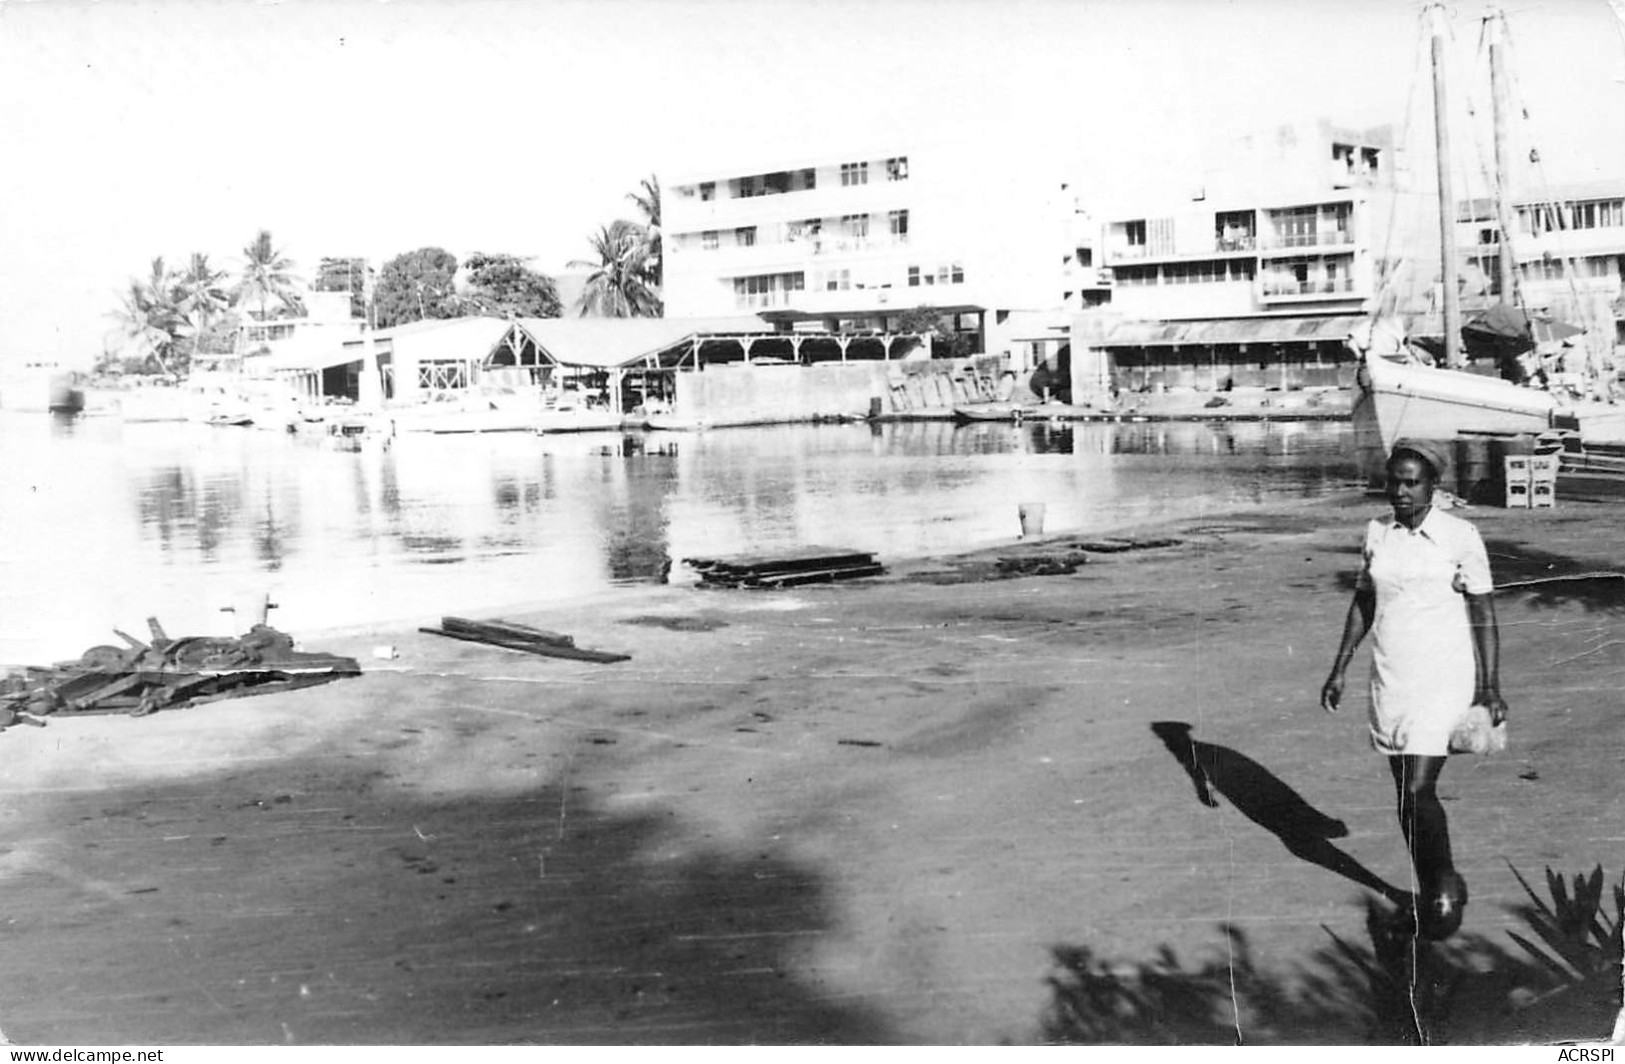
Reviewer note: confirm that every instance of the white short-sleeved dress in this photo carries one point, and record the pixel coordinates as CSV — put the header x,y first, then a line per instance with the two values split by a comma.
x,y
1423,668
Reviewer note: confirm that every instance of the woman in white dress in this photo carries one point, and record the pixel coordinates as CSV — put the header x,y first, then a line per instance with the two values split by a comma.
x,y
1425,594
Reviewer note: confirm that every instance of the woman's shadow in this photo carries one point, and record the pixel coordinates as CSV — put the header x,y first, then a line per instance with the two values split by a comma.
x,y
1262,798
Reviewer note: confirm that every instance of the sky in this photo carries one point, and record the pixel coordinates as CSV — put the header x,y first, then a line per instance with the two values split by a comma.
x,y
136,128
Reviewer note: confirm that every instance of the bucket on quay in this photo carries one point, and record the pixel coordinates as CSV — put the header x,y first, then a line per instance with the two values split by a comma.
x,y
1032,518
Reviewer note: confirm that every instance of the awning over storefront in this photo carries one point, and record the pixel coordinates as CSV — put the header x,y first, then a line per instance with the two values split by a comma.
x,y
1229,331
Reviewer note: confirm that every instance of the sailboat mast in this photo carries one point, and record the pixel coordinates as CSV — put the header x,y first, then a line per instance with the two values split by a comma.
x,y
1503,169
1447,196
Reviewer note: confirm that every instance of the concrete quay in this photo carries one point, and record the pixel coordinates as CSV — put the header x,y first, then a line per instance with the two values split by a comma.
x,y
950,805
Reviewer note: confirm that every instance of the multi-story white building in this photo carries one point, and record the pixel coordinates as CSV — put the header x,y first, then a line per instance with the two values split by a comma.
x,y
1568,245
854,241
1264,260
1292,223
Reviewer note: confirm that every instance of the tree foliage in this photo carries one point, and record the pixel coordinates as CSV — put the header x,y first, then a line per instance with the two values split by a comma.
x,y
152,319
946,342
416,286
647,198
344,275
504,286
204,301
620,284
267,277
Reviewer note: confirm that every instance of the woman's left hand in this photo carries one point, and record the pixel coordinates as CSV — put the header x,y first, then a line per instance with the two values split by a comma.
x,y
1492,701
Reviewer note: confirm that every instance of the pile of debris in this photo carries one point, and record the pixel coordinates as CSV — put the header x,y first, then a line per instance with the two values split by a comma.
x,y
143,678
809,565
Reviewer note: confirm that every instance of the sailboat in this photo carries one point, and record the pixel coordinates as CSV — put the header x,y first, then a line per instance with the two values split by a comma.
x,y
1401,396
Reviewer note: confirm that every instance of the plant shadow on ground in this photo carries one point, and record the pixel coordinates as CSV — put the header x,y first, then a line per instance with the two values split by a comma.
x,y
536,917
1542,579
1264,799
1392,989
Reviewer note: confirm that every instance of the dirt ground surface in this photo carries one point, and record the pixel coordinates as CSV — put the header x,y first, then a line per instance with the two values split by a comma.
x,y
938,807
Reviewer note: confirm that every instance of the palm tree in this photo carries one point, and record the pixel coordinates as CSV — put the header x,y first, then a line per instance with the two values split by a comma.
x,y
620,284
647,197
203,296
149,316
267,275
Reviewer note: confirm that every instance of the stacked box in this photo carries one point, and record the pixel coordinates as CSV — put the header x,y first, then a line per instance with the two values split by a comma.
x,y
1517,479
1543,480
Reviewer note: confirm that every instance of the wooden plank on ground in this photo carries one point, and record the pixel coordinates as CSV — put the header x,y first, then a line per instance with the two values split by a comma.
x,y
532,646
796,558
815,576
507,629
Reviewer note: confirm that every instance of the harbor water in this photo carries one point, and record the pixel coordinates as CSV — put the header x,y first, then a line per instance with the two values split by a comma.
x,y
103,524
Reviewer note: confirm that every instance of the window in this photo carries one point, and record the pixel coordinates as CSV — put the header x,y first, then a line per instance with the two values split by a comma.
x,y
767,290
957,272
1295,227
1341,216
1369,160
837,280
1344,155
897,168
708,240
899,223
1085,256
855,226
1134,233
854,174
708,190
809,179
914,277
442,374
745,236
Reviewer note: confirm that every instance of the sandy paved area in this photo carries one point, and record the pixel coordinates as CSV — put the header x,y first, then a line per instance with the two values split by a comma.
x,y
864,813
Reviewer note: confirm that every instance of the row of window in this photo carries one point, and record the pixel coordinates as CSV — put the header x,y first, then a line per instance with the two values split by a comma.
x,y
851,227
1205,272
804,180
773,289
858,173
1557,269
1548,218
1235,230
949,273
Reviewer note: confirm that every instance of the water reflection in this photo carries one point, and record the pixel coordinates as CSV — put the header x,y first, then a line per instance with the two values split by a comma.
x,y
107,523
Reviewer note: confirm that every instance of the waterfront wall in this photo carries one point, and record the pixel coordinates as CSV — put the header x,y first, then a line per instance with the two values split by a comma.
x,y
742,394
748,393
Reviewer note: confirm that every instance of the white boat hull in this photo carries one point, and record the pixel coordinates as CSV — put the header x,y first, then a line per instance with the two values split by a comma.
x,y
1398,400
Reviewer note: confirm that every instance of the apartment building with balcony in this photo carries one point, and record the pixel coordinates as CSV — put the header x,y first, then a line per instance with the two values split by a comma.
x,y
851,242
1567,247
1277,245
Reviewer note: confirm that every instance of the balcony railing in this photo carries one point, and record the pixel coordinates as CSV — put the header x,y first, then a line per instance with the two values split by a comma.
x,y
1318,238
1235,243
800,245
762,300
1306,288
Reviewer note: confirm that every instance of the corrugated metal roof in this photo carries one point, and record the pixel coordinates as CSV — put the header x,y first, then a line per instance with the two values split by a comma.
x,y
445,340
1264,330
611,342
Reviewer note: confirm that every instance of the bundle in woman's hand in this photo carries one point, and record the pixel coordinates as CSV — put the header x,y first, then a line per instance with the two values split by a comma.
x,y
1476,735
